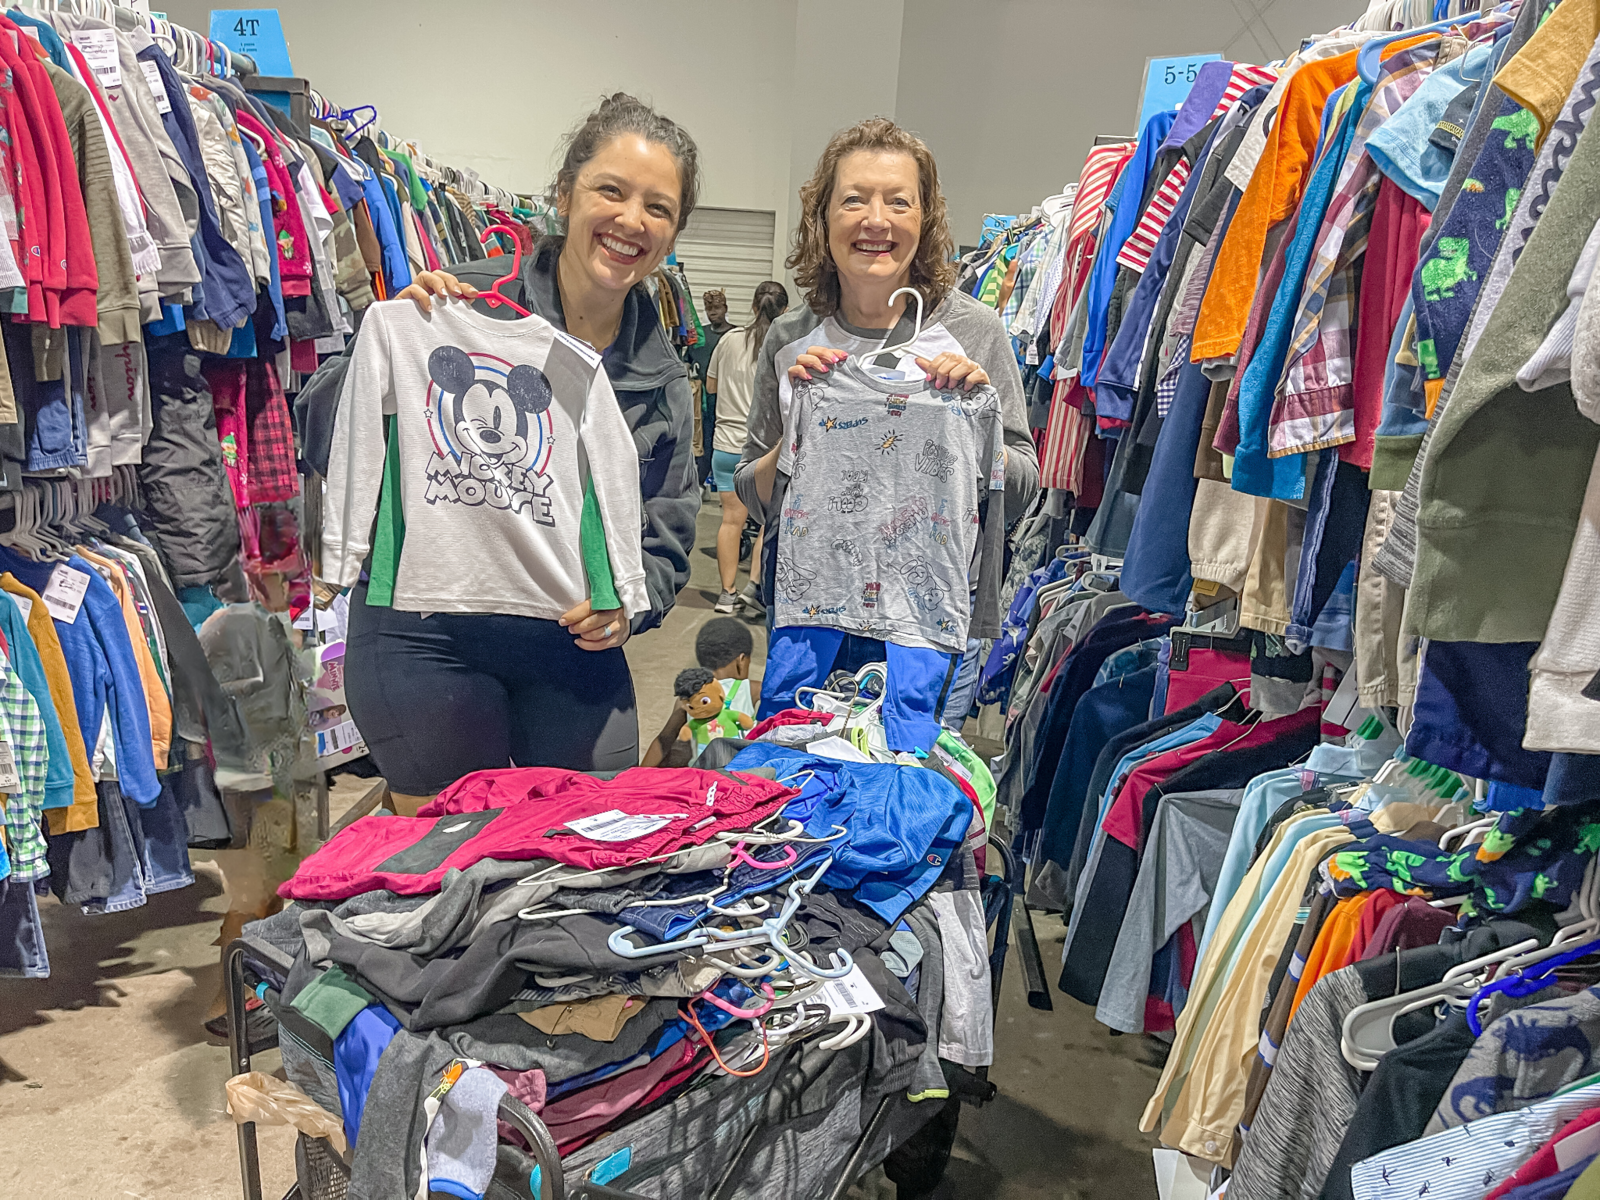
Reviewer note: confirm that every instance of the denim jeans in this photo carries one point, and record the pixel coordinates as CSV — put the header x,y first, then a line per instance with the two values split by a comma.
x,y
959,702
22,950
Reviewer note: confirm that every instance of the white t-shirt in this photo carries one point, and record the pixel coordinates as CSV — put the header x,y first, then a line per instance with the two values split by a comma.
x,y
733,366
500,425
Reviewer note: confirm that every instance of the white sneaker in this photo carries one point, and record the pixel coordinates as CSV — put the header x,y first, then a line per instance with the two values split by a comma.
x,y
751,599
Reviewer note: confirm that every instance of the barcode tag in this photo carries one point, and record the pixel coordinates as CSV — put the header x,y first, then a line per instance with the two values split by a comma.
x,y
852,994
25,604
618,826
99,48
64,594
10,781
158,89
337,740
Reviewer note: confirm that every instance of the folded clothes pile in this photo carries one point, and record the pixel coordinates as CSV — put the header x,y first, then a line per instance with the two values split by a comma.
x,y
606,949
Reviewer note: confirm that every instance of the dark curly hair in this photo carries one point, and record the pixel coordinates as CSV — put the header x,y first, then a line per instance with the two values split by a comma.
x,y
621,113
690,680
722,639
933,273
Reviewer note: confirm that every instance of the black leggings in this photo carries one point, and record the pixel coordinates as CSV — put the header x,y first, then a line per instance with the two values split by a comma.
x,y
439,697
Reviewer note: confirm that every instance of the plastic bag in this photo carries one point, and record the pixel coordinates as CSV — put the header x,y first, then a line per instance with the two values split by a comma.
x,y
266,1100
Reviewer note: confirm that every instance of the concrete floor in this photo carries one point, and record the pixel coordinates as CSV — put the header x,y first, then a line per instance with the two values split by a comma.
x,y
110,1088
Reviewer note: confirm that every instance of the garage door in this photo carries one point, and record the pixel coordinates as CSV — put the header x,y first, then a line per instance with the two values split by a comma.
x,y
727,248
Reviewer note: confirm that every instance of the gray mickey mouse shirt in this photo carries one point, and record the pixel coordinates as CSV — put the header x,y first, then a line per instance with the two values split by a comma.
x,y
500,425
881,518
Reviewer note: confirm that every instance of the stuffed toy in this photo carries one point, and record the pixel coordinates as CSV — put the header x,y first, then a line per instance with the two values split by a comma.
x,y
710,716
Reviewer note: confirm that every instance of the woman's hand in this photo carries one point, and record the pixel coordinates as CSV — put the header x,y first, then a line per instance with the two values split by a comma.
x,y
428,284
817,358
602,630
950,370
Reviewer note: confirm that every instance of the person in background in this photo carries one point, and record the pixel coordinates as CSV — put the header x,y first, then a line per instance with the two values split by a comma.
x,y
730,379
715,303
724,647
872,221
441,697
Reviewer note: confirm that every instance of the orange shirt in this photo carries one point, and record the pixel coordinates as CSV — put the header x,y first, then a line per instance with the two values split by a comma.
x,y
1332,945
1274,193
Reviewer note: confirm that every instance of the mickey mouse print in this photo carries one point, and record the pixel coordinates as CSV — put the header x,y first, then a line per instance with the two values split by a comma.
x,y
493,436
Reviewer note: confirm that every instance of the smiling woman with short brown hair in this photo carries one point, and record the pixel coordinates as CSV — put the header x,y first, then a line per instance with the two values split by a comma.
x,y
872,221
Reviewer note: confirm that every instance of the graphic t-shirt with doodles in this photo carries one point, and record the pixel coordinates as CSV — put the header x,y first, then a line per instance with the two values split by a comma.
x,y
880,520
518,478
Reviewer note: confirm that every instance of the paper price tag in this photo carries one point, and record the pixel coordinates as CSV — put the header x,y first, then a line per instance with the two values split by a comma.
x,y
152,76
850,995
25,604
10,781
618,826
64,594
340,739
99,47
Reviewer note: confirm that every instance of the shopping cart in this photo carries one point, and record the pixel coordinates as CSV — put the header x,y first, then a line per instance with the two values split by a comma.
x,y
911,1140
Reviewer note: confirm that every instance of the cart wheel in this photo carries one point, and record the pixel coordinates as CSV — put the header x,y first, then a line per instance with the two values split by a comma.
x,y
916,1167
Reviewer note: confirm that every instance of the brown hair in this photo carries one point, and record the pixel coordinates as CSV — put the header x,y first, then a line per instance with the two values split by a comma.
x,y
932,271
621,113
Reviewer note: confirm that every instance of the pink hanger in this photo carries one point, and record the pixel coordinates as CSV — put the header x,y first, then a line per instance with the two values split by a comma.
x,y
493,296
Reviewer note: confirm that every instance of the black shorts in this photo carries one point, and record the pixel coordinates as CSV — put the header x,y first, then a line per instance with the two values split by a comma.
x,y
436,698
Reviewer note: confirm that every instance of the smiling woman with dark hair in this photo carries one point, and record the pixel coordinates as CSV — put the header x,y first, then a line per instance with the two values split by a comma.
x,y
437,697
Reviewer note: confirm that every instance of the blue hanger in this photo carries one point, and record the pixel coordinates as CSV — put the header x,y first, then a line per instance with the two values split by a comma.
x,y
1525,984
1367,57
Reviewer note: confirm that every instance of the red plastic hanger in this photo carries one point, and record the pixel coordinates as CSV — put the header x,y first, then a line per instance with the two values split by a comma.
x,y
493,296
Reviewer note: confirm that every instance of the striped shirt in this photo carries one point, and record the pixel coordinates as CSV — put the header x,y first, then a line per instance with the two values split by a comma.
x,y
1466,1162
1141,242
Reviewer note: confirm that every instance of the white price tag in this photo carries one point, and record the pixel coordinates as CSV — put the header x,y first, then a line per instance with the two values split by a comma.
x,y
852,994
99,47
10,781
342,738
618,826
64,594
23,603
152,76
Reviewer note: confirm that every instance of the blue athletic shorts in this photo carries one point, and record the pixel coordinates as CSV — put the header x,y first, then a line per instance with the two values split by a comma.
x,y
722,464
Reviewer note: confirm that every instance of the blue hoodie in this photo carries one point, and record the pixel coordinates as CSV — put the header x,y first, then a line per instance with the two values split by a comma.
x,y
104,674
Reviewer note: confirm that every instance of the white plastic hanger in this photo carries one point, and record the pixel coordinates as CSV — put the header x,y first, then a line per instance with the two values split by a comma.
x,y
898,347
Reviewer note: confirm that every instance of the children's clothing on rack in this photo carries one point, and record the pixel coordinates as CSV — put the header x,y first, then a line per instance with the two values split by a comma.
x,y
1320,316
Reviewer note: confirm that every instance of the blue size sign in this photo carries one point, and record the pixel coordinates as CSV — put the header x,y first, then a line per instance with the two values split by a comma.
x,y
1166,82
254,31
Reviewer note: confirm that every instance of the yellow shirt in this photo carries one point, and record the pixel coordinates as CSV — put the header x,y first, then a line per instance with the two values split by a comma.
x,y
1541,74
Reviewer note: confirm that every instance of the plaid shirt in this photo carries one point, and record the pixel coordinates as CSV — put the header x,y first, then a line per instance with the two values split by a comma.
x,y
1315,405
24,732
273,476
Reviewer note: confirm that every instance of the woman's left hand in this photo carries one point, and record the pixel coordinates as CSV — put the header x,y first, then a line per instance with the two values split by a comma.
x,y
950,370
602,630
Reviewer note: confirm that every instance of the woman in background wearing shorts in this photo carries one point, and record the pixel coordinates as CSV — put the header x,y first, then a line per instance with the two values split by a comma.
x,y
731,377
